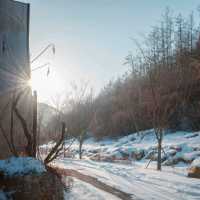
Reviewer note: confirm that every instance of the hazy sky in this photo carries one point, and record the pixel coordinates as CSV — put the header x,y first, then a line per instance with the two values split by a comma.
x,y
92,37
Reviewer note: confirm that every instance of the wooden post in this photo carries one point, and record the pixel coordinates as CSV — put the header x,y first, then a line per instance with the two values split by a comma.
x,y
34,123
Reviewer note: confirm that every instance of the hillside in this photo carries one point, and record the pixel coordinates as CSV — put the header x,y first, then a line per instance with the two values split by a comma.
x,y
177,147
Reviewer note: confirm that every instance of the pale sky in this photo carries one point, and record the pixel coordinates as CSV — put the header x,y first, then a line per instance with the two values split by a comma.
x,y
92,37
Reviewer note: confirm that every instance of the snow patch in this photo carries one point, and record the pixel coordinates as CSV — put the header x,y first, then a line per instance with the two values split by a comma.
x,y
196,163
19,166
2,195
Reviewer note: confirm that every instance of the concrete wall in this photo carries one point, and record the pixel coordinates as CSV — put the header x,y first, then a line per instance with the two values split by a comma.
x,y
14,66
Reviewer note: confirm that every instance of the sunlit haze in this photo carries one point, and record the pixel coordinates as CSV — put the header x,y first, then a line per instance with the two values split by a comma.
x,y
92,38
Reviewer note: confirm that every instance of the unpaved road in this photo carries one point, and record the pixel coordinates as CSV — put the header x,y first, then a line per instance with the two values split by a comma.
x,y
94,182
168,184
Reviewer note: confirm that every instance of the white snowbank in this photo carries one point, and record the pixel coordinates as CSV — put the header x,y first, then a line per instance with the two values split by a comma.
x,y
19,166
2,195
196,163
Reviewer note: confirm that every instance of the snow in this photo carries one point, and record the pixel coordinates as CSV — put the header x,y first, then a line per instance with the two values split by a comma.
x,y
188,156
2,195
196,163
171,183
146,184
178,147
19,166
84,191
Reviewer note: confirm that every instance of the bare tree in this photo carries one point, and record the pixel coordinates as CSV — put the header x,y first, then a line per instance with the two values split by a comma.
x,y
80,115
15,111
58,147
30,137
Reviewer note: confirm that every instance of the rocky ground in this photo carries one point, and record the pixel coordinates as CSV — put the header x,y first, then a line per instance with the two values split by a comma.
x,y
178,147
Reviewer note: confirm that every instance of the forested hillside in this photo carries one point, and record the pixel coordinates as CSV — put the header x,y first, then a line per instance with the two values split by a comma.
x,y
161,89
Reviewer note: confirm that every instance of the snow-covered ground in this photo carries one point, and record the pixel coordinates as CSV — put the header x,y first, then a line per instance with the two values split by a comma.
x,y
146,184
84,191
177,147
171,183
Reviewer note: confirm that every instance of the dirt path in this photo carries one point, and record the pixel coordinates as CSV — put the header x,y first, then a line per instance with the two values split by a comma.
x,y
95,182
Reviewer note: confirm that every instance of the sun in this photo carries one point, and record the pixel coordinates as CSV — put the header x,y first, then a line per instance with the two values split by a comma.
x,y
46,86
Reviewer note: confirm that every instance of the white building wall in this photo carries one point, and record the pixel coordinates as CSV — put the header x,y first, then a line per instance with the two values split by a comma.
x,y
14,67
14,45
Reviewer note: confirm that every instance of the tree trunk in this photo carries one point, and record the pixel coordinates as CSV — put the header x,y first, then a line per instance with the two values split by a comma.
x,y
159,155
80,149
57,148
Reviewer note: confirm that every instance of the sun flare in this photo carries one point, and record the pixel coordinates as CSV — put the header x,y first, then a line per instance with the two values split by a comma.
x,y
46,86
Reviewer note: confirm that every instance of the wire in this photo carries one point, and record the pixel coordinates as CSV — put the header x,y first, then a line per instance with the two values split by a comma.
x,y
43,51
40,67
